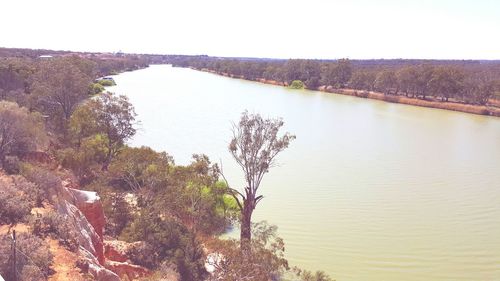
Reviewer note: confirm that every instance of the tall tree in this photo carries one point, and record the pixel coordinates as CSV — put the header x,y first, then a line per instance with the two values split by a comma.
x,y
59,85
112,117
338,74
387,82
446,82
254,146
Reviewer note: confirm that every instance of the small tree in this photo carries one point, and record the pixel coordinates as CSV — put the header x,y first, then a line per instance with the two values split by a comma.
x,y
111,116
254,146
20,130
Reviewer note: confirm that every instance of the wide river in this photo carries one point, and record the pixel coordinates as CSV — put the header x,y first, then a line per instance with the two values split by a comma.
x,y
369,190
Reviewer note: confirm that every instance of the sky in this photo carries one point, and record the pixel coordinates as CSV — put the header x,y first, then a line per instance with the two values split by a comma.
x,y
356,29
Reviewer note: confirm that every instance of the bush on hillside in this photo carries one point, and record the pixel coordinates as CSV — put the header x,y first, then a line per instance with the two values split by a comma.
x,y
14,207
167,242
56,226
47,182
32,260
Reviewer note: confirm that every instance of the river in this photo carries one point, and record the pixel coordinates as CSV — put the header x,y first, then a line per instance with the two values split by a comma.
x,y
369,190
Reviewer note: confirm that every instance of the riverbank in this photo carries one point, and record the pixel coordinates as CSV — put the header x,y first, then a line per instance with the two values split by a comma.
x,y
492,110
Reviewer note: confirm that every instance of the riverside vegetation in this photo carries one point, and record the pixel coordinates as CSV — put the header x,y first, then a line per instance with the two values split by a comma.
x,y
468,86
53,108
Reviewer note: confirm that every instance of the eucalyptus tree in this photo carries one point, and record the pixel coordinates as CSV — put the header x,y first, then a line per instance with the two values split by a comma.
x,y
254,146
59,85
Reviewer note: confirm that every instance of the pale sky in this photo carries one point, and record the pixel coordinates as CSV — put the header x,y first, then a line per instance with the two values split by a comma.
x,y
357,29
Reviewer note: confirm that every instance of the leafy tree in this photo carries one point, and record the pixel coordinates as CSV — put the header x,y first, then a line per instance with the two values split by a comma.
x,y
59,85
307,71
424,76
478,89
407,79
136,168
168,241
338,74
362,80
85,160
446,82
20,130
110,116
193,195
254,146
119,213
387,82
15,74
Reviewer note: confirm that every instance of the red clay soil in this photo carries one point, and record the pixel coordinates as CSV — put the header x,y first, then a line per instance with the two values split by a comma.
x,y
64,263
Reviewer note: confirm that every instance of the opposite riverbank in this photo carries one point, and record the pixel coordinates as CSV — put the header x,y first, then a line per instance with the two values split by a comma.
x,y
492,109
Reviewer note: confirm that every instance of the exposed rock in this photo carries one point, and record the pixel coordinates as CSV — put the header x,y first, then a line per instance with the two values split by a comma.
x,y
116,250
84,209
117,255
88,219
126,270
99,272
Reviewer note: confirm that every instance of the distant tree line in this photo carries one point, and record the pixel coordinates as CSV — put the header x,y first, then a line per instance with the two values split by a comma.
x,y
471,82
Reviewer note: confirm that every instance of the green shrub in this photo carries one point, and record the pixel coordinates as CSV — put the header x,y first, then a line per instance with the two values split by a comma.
x,y
296,84
56,226
167,241
118,212
13,207
106,82
47,183
96,88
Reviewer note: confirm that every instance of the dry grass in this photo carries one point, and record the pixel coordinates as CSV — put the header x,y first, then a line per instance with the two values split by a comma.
x,y
467,108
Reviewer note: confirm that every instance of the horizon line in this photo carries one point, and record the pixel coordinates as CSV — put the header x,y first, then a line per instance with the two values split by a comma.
x,y
246,57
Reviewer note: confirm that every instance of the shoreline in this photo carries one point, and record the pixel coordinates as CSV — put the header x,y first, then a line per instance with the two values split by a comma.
x,y
453,106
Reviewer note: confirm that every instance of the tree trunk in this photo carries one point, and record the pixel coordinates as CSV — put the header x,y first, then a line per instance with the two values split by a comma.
x,y
246,221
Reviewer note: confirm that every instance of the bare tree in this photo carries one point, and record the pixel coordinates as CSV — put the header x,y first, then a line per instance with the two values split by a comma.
x,y
254,146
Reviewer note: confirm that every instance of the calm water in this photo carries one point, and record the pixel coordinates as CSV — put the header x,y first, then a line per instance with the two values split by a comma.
x,y
368,190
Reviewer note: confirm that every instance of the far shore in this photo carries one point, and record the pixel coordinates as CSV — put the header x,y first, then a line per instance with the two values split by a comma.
x,y
492,109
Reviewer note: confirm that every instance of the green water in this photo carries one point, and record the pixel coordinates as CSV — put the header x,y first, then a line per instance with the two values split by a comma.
x,y
368,191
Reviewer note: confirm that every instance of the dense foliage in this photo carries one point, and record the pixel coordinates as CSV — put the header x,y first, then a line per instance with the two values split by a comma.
x,y
55,107
20,131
